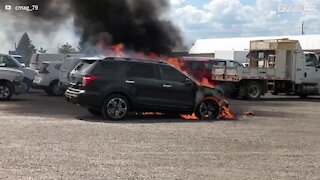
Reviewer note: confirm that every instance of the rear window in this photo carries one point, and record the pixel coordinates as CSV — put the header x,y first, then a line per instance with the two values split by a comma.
x,y
195,66
43,66
84,66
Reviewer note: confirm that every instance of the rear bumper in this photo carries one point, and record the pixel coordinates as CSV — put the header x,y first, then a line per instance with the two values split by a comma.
x,y
84,98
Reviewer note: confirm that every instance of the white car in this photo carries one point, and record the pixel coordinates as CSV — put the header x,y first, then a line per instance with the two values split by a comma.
x,y
37,59
68,65
10,83
47,78
10,62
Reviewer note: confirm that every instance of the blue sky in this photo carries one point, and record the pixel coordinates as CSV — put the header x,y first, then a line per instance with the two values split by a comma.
x,y
202,19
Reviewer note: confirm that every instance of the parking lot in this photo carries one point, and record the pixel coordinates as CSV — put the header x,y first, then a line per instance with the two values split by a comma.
x,y
44,137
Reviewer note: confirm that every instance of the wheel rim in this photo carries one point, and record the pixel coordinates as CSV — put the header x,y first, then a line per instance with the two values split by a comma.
x,y
253,91
208,109
117,108
57,89
4,92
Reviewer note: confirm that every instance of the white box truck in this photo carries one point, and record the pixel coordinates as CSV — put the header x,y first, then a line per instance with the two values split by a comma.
x,y
277,66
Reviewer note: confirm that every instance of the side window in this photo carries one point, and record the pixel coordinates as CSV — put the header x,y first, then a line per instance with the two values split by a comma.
x,y
219,63
141,71
234,64
208,66
171,74
7,62
106,68
195,66
311,60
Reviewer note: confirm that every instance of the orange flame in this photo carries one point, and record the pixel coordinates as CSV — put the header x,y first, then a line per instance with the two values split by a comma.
x,y
118,50
189,117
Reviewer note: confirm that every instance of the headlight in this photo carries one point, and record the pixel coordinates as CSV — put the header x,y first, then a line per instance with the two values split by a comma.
x,y
18,78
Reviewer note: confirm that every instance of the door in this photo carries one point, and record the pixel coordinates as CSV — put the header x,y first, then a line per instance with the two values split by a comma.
x,y
312,72
178,91
143,85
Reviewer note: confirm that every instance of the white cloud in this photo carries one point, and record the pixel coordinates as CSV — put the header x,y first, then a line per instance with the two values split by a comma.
x,y
232,18
177,2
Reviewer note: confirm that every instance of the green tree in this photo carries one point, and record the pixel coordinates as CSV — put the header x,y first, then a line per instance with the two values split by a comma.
x,y
41,50
67,49
25,48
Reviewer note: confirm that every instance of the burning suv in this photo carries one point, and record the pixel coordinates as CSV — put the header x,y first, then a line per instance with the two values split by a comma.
x,y
113,87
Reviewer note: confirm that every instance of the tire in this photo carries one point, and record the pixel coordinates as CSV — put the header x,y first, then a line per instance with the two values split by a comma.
x,y
6,91
27,83
253,91
116,107
55,89
208,110
95,112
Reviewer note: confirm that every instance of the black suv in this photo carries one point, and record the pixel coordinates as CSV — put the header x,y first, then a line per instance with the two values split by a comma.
x,y
115,86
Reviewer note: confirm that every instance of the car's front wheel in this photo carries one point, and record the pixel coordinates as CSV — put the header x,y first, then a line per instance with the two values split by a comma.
x,y
115,107
208,109
6,91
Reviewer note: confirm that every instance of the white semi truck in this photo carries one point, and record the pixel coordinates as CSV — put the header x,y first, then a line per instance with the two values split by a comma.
x,y
277,66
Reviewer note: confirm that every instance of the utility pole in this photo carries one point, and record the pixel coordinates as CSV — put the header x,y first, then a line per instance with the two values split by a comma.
x,y
302,29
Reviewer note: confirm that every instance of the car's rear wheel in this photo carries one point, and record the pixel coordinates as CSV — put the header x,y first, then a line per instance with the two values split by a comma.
x,y
6,91
95,112
208,109
115,107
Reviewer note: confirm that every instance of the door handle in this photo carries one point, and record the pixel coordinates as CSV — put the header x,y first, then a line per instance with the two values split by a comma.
x,y
167,86
130,82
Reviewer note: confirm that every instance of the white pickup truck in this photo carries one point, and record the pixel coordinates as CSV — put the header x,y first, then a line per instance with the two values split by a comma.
x,y
10,83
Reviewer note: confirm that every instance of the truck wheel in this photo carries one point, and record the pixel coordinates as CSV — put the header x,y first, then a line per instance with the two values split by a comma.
x,y
253,90
115,107
208,109
6,91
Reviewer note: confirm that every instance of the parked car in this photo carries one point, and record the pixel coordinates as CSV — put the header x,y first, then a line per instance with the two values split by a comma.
x,y
10,62
10,83
38,58
47,78
201,68
20,59
113,87
68,65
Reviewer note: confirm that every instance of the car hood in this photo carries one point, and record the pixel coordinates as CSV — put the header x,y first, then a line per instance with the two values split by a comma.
x,y
9,70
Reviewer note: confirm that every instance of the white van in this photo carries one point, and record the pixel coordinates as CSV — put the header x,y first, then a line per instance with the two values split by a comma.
x,y
38,58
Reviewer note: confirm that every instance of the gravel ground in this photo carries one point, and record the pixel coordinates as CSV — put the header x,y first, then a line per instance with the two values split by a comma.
x,y
44,137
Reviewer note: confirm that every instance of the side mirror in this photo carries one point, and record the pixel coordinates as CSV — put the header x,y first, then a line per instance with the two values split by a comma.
x,y
188,81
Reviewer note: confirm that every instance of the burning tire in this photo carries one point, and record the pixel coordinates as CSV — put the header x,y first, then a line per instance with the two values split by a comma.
x,y
115,107
253,90
208,109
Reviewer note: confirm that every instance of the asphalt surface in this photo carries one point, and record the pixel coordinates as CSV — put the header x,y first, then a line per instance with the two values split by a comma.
x,y
44,137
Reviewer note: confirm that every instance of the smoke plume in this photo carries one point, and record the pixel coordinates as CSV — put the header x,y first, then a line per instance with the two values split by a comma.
x,y
141,25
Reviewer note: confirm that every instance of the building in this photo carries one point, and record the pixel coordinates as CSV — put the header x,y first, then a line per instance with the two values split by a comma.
x,y
209,47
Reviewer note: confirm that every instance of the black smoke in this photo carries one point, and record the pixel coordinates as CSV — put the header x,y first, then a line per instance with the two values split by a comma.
x,y
141,25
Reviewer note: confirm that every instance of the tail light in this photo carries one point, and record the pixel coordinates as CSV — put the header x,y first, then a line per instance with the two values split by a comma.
x,y
86,80
43,69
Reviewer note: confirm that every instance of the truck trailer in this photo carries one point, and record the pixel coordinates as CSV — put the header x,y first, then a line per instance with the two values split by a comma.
x,y
276,66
